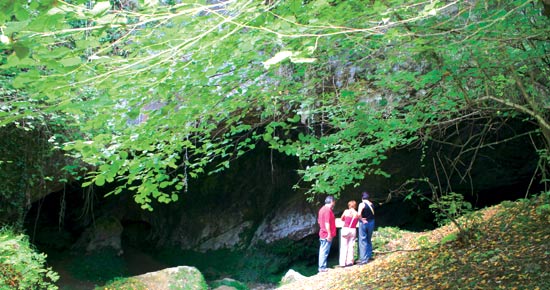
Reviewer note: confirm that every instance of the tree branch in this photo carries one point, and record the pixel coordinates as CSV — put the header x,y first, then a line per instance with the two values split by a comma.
x,y
542,122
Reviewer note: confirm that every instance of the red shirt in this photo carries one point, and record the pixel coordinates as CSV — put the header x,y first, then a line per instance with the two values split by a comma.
x,y
326,216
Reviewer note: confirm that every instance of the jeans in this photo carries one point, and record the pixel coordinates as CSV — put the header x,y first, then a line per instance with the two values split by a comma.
x,y
365,241
324,249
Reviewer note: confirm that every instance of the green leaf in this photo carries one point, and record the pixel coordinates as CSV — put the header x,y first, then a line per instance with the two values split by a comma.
x,y
23,79
21,50
100,180
87,43
174,197
73,61
21,12
246,46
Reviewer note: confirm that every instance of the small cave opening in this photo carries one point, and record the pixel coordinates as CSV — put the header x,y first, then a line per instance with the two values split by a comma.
x,y
53,223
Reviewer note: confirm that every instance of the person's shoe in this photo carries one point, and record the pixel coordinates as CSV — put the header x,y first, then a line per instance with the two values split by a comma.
x,y
362,262
323,270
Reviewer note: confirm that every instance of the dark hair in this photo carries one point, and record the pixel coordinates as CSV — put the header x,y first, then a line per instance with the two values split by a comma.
x,y
329,199
365,195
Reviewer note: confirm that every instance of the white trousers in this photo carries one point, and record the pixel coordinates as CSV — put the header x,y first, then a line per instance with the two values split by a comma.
x,y
347,250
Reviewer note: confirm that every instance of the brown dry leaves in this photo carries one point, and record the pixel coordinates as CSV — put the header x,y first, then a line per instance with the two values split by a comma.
x,y
505,247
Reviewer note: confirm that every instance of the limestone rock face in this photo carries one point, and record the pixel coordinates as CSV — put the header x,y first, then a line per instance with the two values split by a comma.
x,y
226,239
106,234
236,228
295,220
212,231
292,219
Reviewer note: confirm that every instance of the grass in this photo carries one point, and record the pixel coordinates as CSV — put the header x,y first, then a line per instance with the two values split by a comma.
x,y
502,247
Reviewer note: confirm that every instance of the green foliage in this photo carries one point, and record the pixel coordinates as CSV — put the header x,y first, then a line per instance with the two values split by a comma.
x,y
543,204
163,91
188,280
21,266
449,207
449,238
30,162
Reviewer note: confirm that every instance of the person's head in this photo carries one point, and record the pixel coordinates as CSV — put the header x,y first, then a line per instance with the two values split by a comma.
x,y
329,200
365,195
352,204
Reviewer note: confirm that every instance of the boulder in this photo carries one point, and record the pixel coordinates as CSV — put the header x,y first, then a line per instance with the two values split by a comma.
x,y
291,276
225,287
182,277
227,284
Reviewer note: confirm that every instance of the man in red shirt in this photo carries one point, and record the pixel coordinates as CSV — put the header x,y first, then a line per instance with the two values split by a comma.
x,y
327,231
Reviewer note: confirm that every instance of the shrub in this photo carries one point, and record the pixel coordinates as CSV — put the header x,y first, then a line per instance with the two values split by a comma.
x,y
449,207
21,266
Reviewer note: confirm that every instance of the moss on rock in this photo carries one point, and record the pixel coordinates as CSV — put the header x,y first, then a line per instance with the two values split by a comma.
x,y
176,278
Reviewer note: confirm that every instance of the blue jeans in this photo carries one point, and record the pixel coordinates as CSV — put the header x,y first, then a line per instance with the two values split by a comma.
x,y
324,249
365,240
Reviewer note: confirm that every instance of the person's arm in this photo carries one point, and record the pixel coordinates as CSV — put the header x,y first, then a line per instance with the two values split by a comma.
x,y
343,214
329,235
361,207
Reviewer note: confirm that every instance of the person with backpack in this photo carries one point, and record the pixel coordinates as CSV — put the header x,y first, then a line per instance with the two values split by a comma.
x,y
366,228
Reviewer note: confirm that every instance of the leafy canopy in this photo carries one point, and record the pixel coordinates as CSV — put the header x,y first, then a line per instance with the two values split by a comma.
x,y
163,92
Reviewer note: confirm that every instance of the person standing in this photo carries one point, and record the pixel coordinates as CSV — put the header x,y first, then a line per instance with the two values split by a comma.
x,y
327,231
366,228
350,217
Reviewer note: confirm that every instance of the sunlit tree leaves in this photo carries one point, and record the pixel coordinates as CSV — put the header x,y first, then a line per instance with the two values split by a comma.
x,y
163,92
